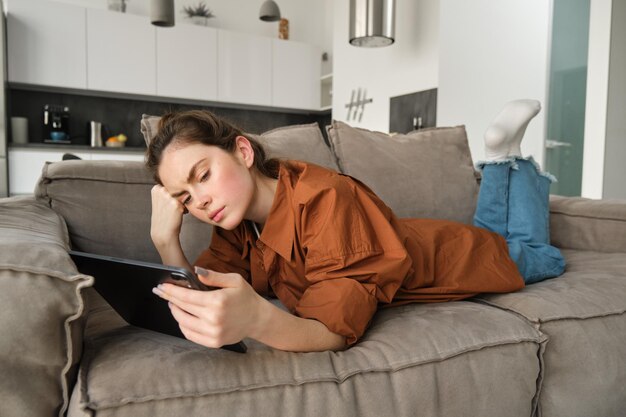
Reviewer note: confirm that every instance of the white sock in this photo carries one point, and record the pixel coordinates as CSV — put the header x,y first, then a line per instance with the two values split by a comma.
x,y
504,135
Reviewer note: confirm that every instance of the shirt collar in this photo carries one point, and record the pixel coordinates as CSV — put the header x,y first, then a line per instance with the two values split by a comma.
x,y
279,229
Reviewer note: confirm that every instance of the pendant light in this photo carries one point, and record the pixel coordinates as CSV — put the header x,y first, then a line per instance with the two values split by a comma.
x,y
162,13
269,11
372,22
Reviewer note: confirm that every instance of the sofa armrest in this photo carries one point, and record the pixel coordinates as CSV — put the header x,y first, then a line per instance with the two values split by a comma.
x,y
581,223
42,320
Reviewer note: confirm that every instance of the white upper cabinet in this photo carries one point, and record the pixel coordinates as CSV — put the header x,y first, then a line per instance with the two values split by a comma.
x,y
122,54
187,62
244,68
51,43
46,43
296,70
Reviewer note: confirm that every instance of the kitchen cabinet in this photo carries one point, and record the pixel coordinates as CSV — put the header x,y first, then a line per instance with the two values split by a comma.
x,y
187,62
122,52
244,68
51,43
46,43
296,70
26,164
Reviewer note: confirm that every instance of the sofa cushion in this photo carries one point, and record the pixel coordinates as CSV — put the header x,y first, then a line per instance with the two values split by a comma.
x,y
149,126
583,312
41,321
586,224
427,173
107,207
457,358
302,142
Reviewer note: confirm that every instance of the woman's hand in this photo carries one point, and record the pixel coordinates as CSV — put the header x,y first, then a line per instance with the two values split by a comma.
x,y
167,217
218,317
235,311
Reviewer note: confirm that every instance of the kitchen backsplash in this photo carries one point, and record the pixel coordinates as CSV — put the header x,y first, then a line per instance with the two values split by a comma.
x,y
122,115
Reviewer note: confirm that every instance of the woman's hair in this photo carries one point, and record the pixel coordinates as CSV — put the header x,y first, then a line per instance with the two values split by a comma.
x,y
202,126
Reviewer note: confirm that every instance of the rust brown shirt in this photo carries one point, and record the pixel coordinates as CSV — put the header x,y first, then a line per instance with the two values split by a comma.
x,y
332,251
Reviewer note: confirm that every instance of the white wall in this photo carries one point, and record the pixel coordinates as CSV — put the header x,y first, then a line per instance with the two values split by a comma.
x,y
307,19
491,52
407,66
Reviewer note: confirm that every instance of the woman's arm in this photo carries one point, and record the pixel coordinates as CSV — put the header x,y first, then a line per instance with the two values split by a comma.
x,y
284,331
235,311
172,254
165,225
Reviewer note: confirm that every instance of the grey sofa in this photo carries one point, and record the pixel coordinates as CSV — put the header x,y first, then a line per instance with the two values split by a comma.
x,y
553,349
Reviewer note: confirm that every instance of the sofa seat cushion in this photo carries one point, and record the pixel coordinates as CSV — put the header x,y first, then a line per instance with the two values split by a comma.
x,y
583,313
594,285
42,305
459,358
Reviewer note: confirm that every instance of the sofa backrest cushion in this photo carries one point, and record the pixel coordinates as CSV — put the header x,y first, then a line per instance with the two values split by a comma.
x,y
303,142
427,173
107,207
588,224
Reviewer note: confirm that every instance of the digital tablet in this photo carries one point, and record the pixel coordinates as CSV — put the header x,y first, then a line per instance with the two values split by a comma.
x,y
127,286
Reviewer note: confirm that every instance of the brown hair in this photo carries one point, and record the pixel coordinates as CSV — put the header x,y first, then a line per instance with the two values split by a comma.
x,y
202,126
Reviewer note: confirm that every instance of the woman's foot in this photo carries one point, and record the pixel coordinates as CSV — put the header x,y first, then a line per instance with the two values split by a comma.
x,y
504,136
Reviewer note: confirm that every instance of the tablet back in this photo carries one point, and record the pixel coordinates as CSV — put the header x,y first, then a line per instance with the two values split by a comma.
x,y
127,286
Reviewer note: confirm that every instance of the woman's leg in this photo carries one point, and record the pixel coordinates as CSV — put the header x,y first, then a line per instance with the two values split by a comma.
x,y
513,196
528,228
492,209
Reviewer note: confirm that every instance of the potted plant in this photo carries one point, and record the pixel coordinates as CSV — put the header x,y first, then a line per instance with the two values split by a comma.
x,y
199,14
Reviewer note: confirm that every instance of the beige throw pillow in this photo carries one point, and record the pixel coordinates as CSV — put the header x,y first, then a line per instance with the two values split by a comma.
x,y
301,142
427,173
149,127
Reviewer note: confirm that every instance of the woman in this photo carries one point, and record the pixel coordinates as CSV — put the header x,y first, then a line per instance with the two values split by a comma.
x,y
324,243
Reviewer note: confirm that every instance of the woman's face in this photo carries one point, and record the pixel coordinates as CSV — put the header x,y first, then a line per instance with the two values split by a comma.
x,y
216,186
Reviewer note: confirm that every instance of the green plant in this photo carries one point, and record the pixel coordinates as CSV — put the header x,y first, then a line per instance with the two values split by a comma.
x,y
200,9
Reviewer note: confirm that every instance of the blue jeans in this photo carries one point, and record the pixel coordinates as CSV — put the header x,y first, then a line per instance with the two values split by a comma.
x,y
513,202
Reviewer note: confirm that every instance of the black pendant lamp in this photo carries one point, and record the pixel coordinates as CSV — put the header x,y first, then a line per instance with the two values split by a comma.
x,y
372,23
